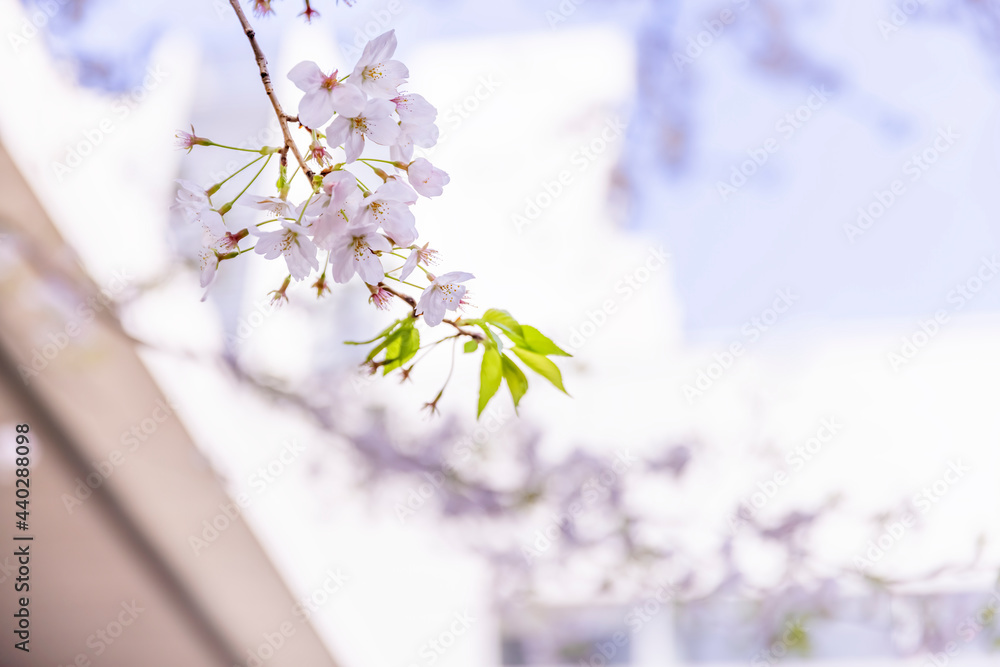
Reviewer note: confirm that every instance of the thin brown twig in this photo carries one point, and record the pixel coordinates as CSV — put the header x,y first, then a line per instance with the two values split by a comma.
x,y
413,304
265,78
405,297
465,332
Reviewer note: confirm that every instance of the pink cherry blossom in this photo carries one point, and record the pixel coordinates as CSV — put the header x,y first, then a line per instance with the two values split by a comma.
x,y
318,152
423,255
339,185
330,226
381,297
209,261
374,123
354,252
444,294
424,135
276,206
389,208
292,242
225,242
426,179
324,95
335,219
191,200
189,140
413,108
213,251
376,74
337,202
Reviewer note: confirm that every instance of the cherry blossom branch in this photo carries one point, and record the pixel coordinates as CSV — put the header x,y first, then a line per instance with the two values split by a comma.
x,y
356,231
265,78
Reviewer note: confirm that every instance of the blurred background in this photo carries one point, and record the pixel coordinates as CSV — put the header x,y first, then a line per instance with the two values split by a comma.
x,y
764,228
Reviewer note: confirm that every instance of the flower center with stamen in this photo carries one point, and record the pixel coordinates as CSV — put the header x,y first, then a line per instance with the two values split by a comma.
x,y
228,242
329,81
378,211
360,248
448,292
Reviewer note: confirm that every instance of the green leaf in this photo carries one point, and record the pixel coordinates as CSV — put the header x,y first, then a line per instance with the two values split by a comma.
x,y
411,347
397,355
516,382
490,335
503,320
541,365
489,377
389,340
471,346
392,350
536,341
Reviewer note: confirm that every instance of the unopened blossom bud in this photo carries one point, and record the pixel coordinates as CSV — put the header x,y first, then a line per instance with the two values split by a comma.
x,y
283,184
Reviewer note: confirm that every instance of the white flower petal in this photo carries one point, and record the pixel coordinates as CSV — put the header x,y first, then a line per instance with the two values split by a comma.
x,y
347,99
307,76
409,265
413,108
354,145
434,311
370,269
342,262
316,108
378,242
383,79
453,277
383,131
338,131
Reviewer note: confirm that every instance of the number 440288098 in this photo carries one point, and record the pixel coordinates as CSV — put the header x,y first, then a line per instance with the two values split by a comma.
x,y
23,449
